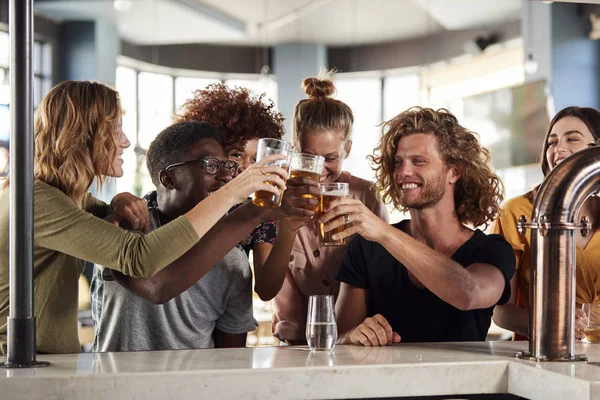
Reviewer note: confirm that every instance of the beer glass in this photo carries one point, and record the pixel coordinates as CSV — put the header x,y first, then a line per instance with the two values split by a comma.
x,y
309,166
592,330
321,328
266,147
330,192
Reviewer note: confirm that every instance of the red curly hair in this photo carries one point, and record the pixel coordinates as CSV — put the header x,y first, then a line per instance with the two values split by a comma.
x,y
237,113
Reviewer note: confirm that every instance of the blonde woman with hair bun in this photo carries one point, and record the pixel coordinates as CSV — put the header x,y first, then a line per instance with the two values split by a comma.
x,y
322,126
78,138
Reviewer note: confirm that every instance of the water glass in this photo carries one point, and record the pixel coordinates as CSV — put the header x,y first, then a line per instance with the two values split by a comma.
x,y
266,147
321,359
321,328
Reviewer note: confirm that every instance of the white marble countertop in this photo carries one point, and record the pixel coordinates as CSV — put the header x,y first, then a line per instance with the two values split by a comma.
x,y
294,372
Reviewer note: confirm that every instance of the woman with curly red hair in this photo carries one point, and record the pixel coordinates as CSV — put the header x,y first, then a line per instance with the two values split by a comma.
x,y
243,118
240,116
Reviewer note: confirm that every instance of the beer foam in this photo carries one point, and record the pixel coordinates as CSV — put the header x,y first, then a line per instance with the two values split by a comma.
x,y
338,193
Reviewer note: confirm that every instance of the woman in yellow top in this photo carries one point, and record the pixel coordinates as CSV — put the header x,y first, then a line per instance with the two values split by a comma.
x,y
570,131
78,138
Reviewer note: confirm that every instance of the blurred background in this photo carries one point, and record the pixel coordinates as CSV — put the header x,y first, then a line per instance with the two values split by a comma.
x,y
501,66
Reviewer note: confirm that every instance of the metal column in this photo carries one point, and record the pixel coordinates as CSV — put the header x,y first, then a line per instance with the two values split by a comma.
x,y
21,321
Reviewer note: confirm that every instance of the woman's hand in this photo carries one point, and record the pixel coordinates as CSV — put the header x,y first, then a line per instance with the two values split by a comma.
x,y
127,207
357,216
298,206
259,176
581,323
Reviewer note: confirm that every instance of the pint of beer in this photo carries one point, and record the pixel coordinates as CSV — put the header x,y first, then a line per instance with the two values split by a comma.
x,y
309,166
592,329
266,147
329,193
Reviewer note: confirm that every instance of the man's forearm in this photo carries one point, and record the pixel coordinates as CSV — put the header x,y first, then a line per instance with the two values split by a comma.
x,y
229,340
193,265
444,277
513,318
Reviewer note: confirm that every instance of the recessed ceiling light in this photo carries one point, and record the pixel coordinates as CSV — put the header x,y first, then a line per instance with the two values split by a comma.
x,y
122,5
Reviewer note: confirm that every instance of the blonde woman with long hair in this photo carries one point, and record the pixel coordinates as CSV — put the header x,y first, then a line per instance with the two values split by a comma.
x,y
78,138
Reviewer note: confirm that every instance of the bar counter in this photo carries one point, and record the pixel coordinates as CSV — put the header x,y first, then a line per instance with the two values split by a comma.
x,y
401,370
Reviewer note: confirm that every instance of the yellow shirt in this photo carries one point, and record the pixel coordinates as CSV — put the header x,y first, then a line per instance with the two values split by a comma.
x,y
64,236
587,259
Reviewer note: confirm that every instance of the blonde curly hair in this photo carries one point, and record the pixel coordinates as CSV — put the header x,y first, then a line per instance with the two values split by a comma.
x,y
479,191
75,136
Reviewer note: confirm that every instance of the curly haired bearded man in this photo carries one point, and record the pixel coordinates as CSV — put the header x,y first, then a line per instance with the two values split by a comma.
x,y
431,278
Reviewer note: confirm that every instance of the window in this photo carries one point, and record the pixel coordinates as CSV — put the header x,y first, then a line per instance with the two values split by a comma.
x,y
400,92
126,83
363,96
150,100
4,49
155,102
4,61
519,180
258,86
185,88
42,83
42,69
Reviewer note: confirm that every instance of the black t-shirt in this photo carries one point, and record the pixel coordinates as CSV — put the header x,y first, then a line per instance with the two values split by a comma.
x,y
417,314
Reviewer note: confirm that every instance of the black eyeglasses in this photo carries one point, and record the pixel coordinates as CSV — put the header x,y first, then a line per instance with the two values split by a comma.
x,y
211,165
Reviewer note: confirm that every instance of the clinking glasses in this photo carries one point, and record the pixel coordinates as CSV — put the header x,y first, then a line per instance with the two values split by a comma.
x,y
211,165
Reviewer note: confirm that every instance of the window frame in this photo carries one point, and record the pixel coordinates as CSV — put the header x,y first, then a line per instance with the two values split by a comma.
x,y
45,74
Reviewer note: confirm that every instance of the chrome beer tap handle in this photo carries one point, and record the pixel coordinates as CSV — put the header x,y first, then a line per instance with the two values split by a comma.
x,y
543,226
586,226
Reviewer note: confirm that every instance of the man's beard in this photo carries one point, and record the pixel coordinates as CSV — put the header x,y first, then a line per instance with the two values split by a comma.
x,y
431,193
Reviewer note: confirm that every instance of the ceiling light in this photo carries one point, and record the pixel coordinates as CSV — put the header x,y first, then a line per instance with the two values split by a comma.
x,y
122,5
531,66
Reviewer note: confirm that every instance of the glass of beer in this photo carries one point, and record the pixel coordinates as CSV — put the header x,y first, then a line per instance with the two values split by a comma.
x,y
330,192
592,330
321,328
266,147
309,166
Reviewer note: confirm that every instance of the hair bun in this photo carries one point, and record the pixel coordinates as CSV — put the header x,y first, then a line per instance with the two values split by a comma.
x,y
318,88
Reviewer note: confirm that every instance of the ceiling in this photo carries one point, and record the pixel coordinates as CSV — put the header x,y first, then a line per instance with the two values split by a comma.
x,y
271,22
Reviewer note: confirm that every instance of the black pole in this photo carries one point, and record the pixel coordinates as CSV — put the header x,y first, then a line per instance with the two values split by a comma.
x,y
21,321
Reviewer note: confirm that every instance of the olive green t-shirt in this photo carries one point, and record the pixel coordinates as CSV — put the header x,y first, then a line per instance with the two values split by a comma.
x,y
65,236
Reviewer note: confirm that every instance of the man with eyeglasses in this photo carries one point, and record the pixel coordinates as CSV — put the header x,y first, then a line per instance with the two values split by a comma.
x,y
203,299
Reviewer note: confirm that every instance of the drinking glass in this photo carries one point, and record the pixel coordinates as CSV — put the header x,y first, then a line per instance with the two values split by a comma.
x,y
592,330
321,328
309,166
329,193
321,359
266,147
